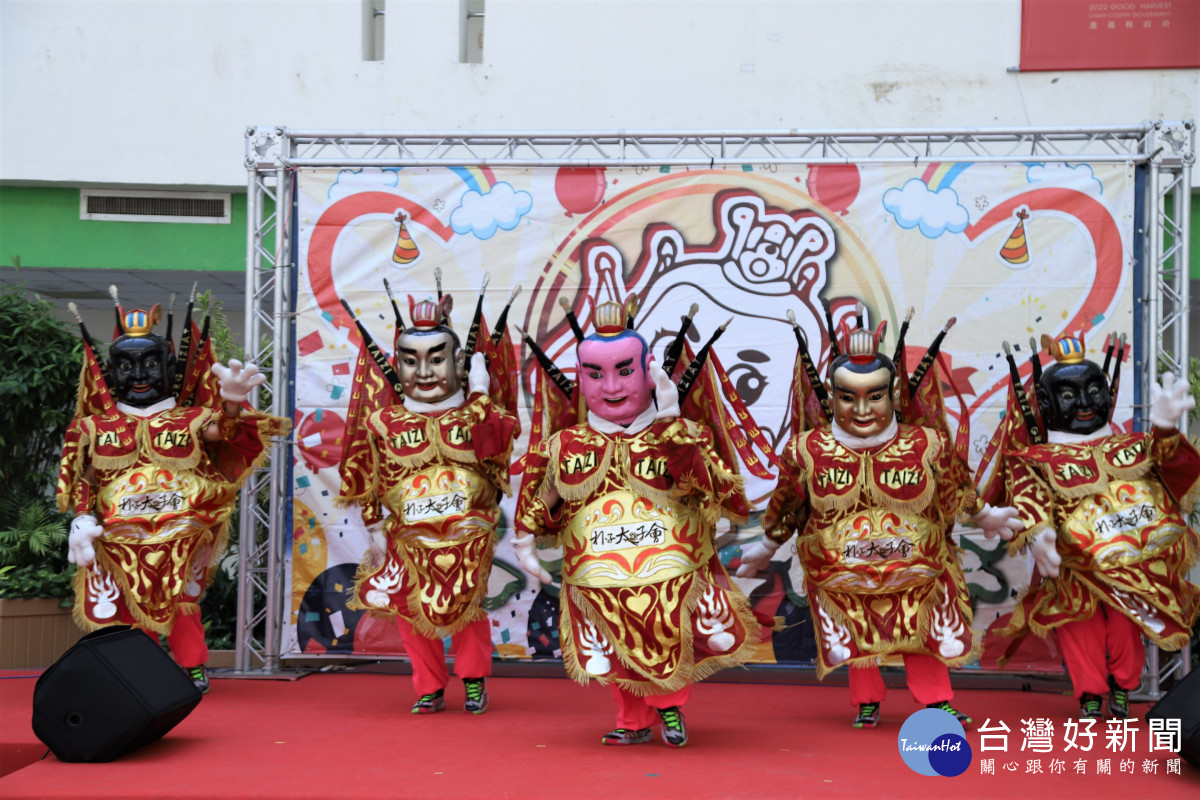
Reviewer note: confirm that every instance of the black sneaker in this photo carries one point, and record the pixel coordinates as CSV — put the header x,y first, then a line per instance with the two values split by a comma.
x,y
1090,707
199,678
674,731
477,696
1118,700
624,736
949,709
430,703
868,716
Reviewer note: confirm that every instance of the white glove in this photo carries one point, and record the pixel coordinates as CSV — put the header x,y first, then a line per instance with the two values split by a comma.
x,y
756,556
1004,521
478,379
526,552
1045,554
84,531
1169,403
377,547
236,381
666,391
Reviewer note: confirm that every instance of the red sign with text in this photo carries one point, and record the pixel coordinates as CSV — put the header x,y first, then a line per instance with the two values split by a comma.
x,y
1131,34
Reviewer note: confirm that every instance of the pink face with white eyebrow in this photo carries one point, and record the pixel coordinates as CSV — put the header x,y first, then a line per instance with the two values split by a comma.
x,y
614,379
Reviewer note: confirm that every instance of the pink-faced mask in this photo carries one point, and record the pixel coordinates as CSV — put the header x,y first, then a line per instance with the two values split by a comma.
x,y
613,377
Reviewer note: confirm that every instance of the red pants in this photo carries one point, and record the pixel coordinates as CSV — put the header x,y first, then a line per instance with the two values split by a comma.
x,y
1106,644
186,638
472,655
635,712
928,680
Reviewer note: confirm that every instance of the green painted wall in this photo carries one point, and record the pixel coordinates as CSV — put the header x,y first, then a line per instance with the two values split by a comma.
x,y
41,226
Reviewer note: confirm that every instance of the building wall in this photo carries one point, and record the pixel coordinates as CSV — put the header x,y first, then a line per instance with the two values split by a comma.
x,y
159,93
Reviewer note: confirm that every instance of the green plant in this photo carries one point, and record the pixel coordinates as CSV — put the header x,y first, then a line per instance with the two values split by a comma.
x,y
41,357
32,552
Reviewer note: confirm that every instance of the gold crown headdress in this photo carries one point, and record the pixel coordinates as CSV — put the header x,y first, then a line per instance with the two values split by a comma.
x,y
1065,349
611,318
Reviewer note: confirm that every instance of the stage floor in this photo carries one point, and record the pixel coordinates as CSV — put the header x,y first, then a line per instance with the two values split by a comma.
x,y
351,735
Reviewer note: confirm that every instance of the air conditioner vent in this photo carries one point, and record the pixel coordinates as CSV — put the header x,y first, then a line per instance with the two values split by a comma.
x,y
134,206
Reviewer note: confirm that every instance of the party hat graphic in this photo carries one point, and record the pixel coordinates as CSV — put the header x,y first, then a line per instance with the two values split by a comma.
x,y
1016,249
406,250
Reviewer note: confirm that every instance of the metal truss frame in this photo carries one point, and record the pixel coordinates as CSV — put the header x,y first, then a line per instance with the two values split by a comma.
x,y
1165,149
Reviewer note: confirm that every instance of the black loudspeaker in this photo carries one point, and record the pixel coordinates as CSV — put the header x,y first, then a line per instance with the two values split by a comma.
x,y
111,693
1183,703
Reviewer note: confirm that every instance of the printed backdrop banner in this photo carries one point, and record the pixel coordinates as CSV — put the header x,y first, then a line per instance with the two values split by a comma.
x,y
1011,251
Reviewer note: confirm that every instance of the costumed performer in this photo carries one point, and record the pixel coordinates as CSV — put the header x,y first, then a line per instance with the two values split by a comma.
x,y
1106,521
633,495
151,466
873,501
437,459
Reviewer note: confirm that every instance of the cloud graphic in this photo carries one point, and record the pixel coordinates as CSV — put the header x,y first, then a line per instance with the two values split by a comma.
x,y
352,181
934,213
482,214
1079,177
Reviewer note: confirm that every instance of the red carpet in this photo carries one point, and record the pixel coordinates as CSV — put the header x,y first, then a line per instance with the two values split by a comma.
x,y
350,735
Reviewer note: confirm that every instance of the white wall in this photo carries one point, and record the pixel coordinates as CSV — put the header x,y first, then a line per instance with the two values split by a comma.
x,y
159,92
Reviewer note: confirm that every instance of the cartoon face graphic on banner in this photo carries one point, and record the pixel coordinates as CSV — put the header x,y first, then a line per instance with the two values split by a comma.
x,y
1011,250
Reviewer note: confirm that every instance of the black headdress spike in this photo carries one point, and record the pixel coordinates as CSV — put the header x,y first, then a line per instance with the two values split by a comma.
x,y
692,373
83,331
1031,424
571,318
437,277
898,358
171,323
860,311
120,329
377,355
810,368
930,355
502,322
1035,360
833,348
1114,383
473,333
675,349
185,344
631,309
549,367
395,307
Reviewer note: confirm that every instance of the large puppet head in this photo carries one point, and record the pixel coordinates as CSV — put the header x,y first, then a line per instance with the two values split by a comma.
x,y
862,383
1073,393
613,368
141,366
429,357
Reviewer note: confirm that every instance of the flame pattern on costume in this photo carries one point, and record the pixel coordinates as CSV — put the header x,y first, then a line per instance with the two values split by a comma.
x,y
1118,505
641,578
164,499
443,513
874,539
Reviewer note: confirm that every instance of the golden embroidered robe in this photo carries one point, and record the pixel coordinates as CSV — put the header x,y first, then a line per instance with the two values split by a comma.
x,y
646,603
442,494
1118,505
881,571
164,498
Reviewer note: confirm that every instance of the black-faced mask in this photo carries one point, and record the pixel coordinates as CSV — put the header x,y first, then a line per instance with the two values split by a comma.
x,y
1074,398
140,370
